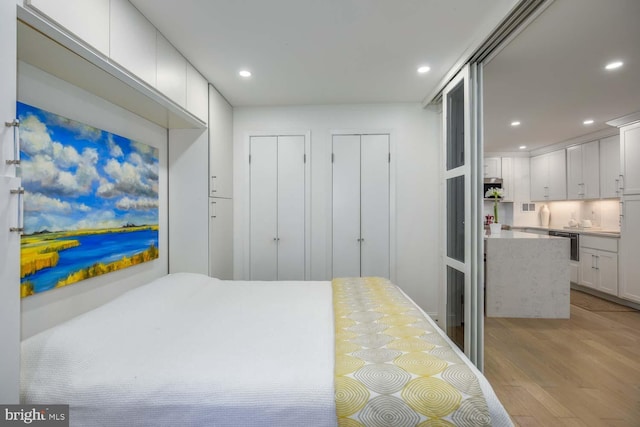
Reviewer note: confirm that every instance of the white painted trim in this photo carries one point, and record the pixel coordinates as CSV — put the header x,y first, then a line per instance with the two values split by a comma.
x,y
522,153
246,261
464,170
393,235
625,120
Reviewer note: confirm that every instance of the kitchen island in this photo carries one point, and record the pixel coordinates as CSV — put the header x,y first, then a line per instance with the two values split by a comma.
x,y
527,275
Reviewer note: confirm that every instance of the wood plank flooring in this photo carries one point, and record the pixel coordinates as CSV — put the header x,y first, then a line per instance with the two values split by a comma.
x,y
584,371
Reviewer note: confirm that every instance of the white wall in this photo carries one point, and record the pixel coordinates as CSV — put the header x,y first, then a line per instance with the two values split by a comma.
x,y
415,133
37,88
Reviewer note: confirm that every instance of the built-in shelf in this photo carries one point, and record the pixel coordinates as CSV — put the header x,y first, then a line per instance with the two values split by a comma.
x,y
43,45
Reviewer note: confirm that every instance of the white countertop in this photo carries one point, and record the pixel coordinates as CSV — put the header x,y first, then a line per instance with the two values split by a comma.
x,y
510,234
593,231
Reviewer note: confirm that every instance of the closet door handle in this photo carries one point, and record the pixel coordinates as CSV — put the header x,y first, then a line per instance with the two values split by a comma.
x,y
20,228
15,124
213,210
213,183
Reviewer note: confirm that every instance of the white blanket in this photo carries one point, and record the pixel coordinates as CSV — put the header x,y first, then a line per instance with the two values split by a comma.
x,y
188,350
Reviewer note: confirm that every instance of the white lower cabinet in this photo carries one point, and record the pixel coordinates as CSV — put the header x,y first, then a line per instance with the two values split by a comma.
x,y
630,248
221,238
574,271
599,263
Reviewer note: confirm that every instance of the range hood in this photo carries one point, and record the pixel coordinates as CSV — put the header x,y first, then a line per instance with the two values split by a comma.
x,y
493,180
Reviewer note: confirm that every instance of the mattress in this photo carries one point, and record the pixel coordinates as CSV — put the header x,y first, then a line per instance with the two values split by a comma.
x,y
191,350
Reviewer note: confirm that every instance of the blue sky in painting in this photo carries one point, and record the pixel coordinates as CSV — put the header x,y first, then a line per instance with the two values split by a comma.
x,y
79,177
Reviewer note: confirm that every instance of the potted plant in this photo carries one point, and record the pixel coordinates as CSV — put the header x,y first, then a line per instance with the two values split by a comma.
x,y
495,193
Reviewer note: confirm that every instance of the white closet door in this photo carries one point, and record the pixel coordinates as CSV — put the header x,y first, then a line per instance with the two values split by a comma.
x,y
346,206
264,211
291,209
374,205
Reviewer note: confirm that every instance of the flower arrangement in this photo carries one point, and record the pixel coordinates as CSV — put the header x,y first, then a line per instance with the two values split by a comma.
x,y
496,193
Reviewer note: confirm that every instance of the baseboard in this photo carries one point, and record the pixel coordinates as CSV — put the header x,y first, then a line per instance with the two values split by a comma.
x,y
604,295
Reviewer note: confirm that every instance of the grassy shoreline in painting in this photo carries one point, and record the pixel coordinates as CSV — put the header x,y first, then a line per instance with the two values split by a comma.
x,y
41,250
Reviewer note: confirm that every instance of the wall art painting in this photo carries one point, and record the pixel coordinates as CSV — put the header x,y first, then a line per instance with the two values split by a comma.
x,y
90,201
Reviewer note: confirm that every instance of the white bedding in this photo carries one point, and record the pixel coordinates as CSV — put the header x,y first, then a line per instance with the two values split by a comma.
x,y
189,350
193,351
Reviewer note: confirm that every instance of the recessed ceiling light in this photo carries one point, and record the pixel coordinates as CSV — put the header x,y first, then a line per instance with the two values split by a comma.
x,y
614,65
522,147
245,73
424,69
515,123
588,122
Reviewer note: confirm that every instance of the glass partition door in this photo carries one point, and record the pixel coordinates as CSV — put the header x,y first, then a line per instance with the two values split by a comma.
x,y
462,308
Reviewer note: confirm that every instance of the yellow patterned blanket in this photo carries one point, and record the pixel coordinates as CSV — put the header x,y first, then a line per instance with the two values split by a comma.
x,y
392,368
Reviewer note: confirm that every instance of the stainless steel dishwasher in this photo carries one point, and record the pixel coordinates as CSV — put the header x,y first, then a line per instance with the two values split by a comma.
x,y
575,242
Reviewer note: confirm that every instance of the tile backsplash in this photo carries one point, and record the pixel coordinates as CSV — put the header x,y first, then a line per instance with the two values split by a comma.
x,y
602,213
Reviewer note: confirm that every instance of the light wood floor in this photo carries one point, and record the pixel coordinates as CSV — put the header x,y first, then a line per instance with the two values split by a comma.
x,y
584,371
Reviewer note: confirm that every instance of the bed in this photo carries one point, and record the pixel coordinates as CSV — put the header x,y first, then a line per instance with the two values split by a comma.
x,y
191,350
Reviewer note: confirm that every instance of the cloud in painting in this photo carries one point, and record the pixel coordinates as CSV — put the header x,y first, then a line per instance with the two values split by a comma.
x,y
38,202
114,149
34,136
126,179
148,153
79,177
80,130
53,167
99,219
143,203
48,221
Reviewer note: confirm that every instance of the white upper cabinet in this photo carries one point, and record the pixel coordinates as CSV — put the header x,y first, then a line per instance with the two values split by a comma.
x,y
548,176
133,41
197,93
610,167
630,158
220,146
89,20
493,167
171,73
507,179
583,176
118,30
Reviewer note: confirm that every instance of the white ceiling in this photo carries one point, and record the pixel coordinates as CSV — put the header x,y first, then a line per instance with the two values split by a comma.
x,y
324,51
551,77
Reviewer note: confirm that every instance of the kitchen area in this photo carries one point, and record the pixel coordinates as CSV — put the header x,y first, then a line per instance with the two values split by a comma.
x,y
586,193
561,140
